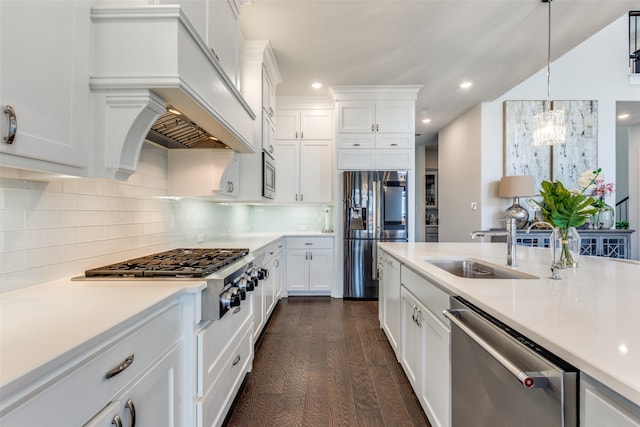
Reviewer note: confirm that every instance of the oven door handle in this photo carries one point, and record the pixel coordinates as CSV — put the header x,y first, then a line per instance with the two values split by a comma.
x,y
528,379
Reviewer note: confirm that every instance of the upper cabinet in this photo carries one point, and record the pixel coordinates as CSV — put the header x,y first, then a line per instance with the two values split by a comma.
x,y
376,127
304,124
376,117
44,85
224,36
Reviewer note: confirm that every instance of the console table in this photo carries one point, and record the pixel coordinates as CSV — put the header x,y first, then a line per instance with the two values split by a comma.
x,y
611,243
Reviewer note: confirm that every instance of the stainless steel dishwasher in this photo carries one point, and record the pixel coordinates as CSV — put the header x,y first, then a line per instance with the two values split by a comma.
x,y
501,378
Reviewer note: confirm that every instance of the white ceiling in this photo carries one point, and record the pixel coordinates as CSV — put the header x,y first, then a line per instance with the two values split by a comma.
x,y
434,43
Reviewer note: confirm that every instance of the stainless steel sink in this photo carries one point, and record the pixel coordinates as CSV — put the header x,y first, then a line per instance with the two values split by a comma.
x,y
474,269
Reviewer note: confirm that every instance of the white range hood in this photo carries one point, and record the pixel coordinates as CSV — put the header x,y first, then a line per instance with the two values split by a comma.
x,y
145,59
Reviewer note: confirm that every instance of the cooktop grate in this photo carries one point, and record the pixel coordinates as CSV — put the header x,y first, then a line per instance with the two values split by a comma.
x,y
182,262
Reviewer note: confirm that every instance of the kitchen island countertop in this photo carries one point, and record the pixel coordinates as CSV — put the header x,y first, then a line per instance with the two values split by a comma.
x,y
589,317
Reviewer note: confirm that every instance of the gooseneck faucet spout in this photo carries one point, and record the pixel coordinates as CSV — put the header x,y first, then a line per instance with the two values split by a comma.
x,y
510,234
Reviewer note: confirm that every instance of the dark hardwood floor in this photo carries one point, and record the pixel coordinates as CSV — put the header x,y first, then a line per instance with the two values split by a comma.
x,y
326,362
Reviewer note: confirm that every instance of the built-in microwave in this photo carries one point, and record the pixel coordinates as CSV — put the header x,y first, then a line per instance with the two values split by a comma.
x,y
268,176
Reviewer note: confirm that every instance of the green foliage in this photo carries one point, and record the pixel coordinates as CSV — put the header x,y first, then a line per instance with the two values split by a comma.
x,y
563,208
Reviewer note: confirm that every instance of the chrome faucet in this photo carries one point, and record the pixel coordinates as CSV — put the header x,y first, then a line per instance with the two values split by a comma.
x,y
554,263
510,233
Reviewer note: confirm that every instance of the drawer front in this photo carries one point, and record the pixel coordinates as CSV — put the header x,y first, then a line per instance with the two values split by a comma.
x,y
310,243
272,251
356,159
395,140
399,158
212,409
217,341
356,141
85,390
432,297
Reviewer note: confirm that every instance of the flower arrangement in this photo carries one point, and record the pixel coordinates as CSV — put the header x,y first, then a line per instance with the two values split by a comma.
x,y
592,181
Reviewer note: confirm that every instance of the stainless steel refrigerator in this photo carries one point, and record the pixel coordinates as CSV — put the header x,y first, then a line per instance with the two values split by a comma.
x,y
375,209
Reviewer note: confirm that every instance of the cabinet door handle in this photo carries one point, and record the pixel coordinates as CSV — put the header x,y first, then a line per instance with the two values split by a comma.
x,y
377,127
419,317
117,421
301,134
310,256
270,148
118,369
236,360
13,124
306,256
373,127
301,197
356,145
277,263
296,197
296,134
394,145
132,412
413,315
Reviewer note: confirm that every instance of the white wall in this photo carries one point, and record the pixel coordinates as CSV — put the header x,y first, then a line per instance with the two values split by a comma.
x,y
622,163
595,70
56,228
634,189
459,150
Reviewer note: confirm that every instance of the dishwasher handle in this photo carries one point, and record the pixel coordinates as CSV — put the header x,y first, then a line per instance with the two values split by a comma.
x,y
527,378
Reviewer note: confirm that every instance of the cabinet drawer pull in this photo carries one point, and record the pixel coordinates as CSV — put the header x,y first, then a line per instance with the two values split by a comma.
x,y
132,412
116,421
394,145
237,310
236,360
124,365
308,243
356,145
13,124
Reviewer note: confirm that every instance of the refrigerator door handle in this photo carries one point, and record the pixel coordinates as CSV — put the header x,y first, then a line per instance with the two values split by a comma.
x,y
374,261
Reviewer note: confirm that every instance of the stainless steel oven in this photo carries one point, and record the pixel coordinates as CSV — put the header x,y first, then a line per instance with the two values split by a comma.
x,y
501,378
268,176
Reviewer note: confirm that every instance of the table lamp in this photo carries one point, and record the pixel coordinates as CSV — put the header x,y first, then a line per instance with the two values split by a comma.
x,y
516,186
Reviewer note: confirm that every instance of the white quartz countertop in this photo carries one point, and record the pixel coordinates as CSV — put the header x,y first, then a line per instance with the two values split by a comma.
x,y
590,318
43,326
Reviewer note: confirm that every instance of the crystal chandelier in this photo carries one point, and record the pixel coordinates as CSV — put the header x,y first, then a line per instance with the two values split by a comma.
x,y
549,126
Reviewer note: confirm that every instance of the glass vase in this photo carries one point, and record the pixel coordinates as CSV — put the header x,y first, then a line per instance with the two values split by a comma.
x,y
565,247
604,218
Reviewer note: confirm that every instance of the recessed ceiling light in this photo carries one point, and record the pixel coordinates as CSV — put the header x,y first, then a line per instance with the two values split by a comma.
x,y
426,120
316,85
623,116
465,85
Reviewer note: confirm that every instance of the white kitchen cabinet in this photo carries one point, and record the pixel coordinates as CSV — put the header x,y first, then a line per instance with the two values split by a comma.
x,y
268,96
146,360
149,400
303,171
304,125
269,291
268,135
309,265
224,35
204,172
376,159
424,345
376,117
390,298
602,407
44,79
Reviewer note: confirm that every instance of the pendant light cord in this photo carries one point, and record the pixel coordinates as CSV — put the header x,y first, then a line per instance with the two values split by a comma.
x,y
549,57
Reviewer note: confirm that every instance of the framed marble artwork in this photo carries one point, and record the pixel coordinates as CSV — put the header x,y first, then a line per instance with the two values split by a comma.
x,y
562,163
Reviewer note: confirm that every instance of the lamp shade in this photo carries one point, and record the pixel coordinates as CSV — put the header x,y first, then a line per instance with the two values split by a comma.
x,y
516,186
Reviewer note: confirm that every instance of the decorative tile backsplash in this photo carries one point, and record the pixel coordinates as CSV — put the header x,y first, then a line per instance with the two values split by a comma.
x,y
56,228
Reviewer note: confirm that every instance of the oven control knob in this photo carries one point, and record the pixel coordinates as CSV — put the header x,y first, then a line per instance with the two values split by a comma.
x,y
241,292
263,273
228,299
254,280
245,284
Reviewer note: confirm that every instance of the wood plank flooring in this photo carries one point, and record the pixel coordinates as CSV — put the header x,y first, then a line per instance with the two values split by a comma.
x,y
326,362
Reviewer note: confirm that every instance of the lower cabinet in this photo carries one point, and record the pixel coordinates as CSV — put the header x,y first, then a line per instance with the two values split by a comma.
x,y
269,292
424,345
224,356
138,373
149,401
602,407
389,298
309,267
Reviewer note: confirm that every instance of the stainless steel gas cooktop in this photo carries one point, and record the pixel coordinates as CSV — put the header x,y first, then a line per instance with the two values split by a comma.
x,y
183,262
